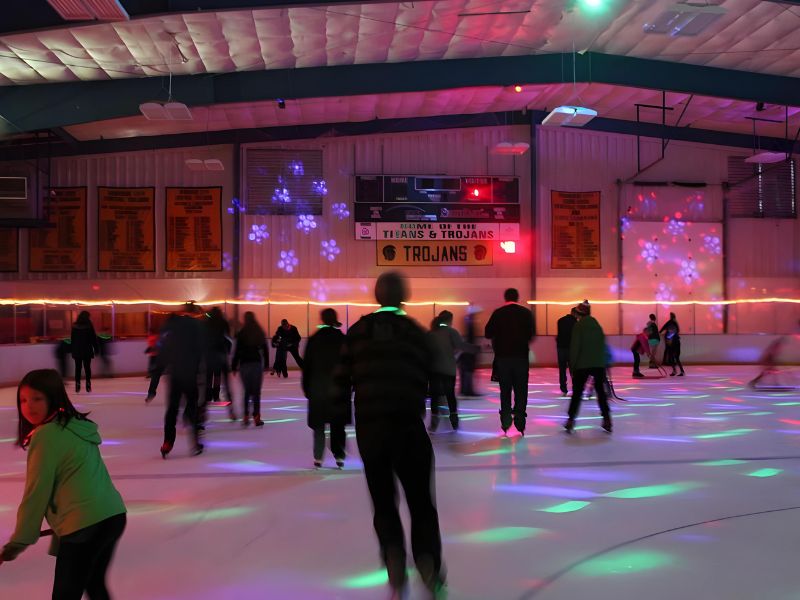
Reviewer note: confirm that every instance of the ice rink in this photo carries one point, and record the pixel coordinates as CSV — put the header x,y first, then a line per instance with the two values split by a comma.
x,y
696,495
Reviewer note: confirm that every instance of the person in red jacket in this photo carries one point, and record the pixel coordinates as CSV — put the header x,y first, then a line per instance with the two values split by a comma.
x,y
641,345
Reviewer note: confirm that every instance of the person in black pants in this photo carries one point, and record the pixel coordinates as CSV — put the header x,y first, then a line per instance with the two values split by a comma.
x,y
387,358
588,359
672,344
286,340
469,357
184,353
83,346
250,359
511,330
219,346
445,342
326,403
563,340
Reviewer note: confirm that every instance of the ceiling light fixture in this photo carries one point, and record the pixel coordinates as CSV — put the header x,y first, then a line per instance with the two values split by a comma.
x,y
90,10
166,111
507,148
569,116
684,19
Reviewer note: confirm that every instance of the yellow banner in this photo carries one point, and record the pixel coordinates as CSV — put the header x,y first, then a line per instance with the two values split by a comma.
x,y
434,254
61,247
126,229
576,230
194,229
9,250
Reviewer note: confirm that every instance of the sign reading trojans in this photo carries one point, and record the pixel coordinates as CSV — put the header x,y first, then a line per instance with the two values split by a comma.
x,y
434,254
61,248
484,232
126,229
575,230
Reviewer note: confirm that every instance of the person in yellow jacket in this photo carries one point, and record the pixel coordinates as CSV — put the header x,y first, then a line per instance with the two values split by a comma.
x,y
68,485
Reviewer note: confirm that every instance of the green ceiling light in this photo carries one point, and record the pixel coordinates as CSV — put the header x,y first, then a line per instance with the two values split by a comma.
x,y
652,491
624,563
566,507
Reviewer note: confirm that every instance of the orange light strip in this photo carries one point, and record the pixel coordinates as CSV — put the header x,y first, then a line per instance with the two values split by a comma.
x,y
61,301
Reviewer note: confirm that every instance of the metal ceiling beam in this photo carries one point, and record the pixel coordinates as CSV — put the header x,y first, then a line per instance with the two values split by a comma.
x,y
46,106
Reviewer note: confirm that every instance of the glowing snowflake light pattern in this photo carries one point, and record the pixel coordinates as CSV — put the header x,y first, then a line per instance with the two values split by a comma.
x,y
340,210
281,195
319,291
713,244
624,224
296,167
688,271
236,206
330,250
320,187
258,233
650,252
288,261
227,261
664,293
675,227
306,223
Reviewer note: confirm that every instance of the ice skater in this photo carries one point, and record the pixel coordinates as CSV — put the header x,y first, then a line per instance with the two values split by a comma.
x,y
218,337
67,484
286,340
387,360
446,343
327,404
563,340
468,358
672,344
250,359
84,346
769,362
641,345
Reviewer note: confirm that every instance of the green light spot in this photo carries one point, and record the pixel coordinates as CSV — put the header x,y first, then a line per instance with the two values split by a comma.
x,y
367,580
623,563
583,427
471,417
508,450
651,491
280,420
536,406
499,535
566,507
760,413
779,404
765,473
723,434
652,404
720,463
212,515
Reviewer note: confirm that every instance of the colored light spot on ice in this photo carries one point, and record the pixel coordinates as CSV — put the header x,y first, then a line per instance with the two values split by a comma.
x,y
765,473
213,515
366,580
499,535
652,491
566,507
623,563
723,434
720,463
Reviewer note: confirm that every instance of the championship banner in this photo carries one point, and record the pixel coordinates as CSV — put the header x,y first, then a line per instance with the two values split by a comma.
x,y
9,250
485,232
434,254
61,247
126,229
194,229
575,230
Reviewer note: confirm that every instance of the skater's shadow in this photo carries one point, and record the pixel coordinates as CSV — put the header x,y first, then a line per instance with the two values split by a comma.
x,y
485,447
586,438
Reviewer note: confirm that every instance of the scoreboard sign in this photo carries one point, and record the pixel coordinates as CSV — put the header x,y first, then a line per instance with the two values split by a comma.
x,y
446,212
427,188
437,231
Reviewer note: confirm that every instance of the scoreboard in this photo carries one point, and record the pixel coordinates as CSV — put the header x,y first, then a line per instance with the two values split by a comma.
x,y
424,189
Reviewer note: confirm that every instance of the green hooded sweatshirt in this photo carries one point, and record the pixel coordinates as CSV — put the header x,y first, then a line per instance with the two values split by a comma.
x,y
588,346
67,482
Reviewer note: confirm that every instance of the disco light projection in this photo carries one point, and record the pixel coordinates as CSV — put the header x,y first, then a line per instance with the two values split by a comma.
x,y
366,580
306,223
712,244
565,507
675,227
696,205
624,224
258,233
651,491
281,194
623,562
320,187
246,466
545,490
498,535
236,206
723,434
649,252
296,167
721,463
688,271
319,291
288,261
765,473
340,210
330,250
664,293
227,261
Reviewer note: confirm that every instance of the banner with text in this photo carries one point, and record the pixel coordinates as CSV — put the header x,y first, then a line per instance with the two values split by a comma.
x,y
62,246
486,232
433,254
9,250
126,229
194,229
575,230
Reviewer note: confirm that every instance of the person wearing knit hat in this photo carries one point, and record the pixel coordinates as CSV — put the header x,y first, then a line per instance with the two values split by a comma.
x,y
588,359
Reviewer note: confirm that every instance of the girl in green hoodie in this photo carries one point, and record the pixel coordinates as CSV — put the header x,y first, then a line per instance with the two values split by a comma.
x,y
67,483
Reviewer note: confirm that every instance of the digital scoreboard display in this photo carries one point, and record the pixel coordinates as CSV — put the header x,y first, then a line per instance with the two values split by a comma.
x,y
416,189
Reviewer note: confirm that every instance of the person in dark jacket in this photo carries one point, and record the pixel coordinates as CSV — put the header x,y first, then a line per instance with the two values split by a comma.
x,y
327,404
286,340
641,345
511,330
446,343
672,344
251,358
84,346
387,360
653,339
184,352
588,358
563,340
218,336
468,359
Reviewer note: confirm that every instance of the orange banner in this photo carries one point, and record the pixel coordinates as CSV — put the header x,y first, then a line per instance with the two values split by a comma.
x,y
9,250
126,229
575,230
194,229
62,246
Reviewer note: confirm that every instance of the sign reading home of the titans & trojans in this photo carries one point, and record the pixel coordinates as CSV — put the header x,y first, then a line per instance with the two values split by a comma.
x,y
476,232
